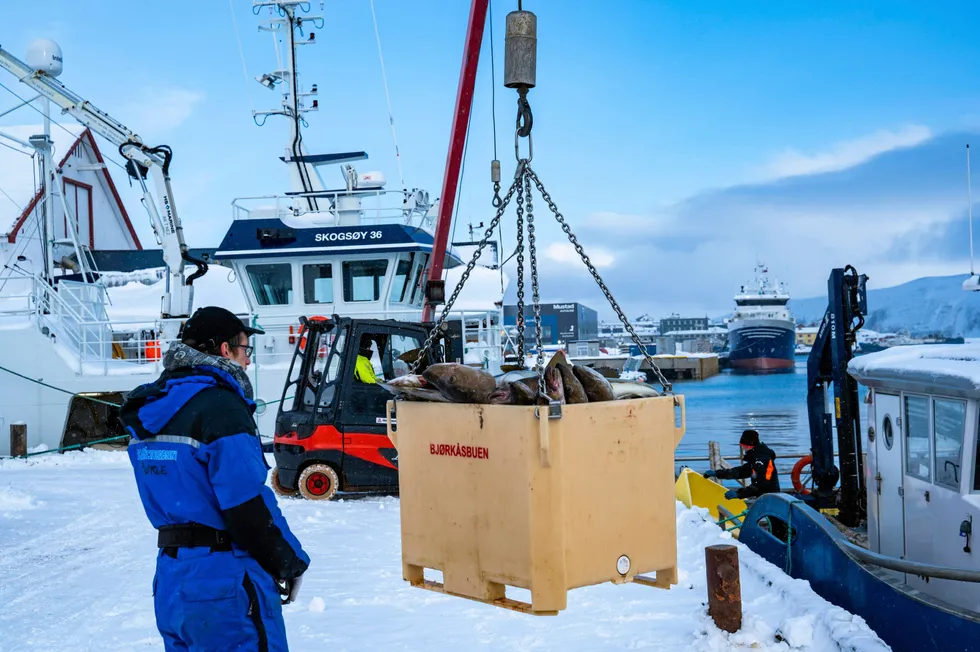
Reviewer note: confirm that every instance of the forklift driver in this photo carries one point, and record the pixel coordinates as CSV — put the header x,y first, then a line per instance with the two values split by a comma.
x,y
363,369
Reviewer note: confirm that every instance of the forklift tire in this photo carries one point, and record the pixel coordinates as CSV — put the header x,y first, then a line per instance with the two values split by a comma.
x,y
277,487
318,482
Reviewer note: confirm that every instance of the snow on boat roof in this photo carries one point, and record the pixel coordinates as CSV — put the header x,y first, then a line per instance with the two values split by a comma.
x,y
952,369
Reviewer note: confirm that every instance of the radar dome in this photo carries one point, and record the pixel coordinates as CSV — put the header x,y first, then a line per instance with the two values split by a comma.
x,y
45,55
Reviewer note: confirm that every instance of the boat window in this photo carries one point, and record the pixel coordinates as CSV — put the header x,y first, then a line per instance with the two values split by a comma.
x,y
415,281
405,350
318,283
363,279
418,286
949,422
918,453
272,284
400,285
887,432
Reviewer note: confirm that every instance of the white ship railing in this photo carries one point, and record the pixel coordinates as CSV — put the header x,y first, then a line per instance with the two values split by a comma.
x,y
75,317
388,207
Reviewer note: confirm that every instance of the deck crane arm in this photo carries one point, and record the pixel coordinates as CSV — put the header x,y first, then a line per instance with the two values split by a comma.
x,y
832,350
141,160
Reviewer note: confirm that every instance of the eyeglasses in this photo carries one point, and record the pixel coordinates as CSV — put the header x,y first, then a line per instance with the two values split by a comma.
x,y
248,348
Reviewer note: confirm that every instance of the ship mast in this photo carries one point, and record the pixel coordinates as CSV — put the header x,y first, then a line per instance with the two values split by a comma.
x,y
303,177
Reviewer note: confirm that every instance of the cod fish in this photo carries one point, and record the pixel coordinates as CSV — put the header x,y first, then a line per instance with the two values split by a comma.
x,y
523,387
460,383
574,392
416,393
553,386
408,380
596,387
512,393
624,389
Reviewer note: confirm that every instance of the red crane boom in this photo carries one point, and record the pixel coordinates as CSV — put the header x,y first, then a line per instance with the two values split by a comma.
x,y
457,140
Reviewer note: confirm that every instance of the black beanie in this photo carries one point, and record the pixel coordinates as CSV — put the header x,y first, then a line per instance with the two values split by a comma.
x,y
749,438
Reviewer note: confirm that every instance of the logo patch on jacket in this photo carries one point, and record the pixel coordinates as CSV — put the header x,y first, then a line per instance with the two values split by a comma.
x,y
156,455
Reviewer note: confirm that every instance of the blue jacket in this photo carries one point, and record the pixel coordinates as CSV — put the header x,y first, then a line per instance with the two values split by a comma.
x,y
197,459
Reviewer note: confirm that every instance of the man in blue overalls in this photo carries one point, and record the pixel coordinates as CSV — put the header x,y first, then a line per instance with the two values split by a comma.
x,y
227,559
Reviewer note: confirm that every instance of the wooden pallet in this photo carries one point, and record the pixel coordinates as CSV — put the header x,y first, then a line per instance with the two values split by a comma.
x,y
416,577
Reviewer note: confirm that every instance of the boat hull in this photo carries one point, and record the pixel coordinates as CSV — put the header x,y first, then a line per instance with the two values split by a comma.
x,y
904,618
762,346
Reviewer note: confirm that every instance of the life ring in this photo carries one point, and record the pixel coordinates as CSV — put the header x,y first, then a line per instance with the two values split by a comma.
x,y
801,464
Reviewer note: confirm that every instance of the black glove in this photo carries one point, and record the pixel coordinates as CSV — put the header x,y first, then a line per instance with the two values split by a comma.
x,y
289,589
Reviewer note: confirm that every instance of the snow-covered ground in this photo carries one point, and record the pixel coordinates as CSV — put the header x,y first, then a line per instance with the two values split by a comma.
x,y
77,559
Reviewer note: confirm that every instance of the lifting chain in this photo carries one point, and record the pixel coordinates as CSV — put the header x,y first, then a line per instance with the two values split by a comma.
x,y
535,297
595,275
522,188
440,325
520,274
520,74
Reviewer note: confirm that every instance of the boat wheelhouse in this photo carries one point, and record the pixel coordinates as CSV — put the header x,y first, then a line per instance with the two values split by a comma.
x,y
923,484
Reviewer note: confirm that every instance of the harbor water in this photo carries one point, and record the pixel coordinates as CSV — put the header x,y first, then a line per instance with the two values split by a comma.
x,y
721,407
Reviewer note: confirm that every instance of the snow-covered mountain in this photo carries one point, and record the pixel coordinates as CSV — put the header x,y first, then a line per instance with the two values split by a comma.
x,y
936,304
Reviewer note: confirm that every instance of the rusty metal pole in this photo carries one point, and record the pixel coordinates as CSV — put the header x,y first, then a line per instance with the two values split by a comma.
x,y
724,587
18,439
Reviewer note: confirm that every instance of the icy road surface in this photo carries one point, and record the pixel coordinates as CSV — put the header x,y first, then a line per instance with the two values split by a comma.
x,y
77,559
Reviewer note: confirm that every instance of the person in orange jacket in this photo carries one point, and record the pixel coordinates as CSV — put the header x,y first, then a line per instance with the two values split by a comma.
x,y
758,463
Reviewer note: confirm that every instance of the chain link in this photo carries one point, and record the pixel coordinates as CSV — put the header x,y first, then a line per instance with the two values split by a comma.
x,y
496,201
520,273
595,274
466,274
535,297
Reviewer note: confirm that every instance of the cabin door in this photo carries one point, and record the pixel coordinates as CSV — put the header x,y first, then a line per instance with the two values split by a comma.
x,y
888,452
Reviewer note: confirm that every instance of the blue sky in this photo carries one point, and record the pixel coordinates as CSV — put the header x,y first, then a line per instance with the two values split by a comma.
x,y
660,127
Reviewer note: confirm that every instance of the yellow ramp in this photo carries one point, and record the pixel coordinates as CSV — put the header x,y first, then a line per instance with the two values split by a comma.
x,y
693,489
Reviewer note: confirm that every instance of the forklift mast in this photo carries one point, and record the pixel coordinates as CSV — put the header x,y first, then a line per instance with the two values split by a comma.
x,y
832,349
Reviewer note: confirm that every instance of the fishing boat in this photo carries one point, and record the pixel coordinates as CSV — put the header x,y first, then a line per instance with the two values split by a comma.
x,y
359,249
884,529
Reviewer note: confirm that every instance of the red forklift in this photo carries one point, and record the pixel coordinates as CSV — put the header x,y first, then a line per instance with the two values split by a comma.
x,y
331,429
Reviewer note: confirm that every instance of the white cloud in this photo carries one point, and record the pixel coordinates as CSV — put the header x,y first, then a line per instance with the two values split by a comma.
x,y
845,154
890,221
159,110
564,252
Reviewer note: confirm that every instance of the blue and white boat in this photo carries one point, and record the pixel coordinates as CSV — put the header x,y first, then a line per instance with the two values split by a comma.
x,y
762,333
